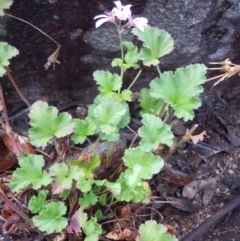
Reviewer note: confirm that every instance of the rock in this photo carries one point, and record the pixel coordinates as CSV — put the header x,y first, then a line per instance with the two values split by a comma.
x,y
228,181
203,31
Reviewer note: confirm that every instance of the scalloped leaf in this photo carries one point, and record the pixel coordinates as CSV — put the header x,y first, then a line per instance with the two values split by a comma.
x,y
154,132
50,219
37,203
148,103
128,193
46,123
4,4
144,165
6,53
151,231
64,176
179,89
83,128
87,167
30,172
88,199
107,82
156,43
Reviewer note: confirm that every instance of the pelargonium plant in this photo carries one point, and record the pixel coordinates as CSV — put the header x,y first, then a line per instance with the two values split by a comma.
x,y
72,183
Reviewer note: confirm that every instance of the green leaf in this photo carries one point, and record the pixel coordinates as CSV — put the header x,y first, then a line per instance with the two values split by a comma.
x,y
117,62
30,172
50,219
92,229
84,185
107,82
157,43
37,203
87,167
144,164
6,51
126,95
64,176
4,4
83,128
109,116
98,214
148,103
128,193
130,46
132,56
109,112
102,199
151,231
114,187
154,132
179,89
88,199
46,123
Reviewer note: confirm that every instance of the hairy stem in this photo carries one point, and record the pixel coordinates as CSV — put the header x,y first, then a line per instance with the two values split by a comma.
x,y
13,82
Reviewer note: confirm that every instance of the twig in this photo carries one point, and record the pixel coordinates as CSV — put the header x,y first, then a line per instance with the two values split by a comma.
x,y
52,59
16,209
13,82
42,32
7,126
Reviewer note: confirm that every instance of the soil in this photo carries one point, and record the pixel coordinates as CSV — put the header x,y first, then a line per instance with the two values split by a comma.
x,y
219,116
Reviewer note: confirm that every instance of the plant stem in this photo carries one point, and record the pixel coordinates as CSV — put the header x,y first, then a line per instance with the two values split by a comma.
x,y
16,209
109,152
181,142
162,110
122,54
158,70
134,139
120,39
135,79
57,147
7,126
215,77
42,32
168,116
13,82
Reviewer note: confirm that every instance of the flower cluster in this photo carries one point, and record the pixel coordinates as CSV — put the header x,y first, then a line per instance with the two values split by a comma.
x,y
123,13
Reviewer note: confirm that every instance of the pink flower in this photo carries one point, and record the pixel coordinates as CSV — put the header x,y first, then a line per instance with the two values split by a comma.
x,y
138,22
107,17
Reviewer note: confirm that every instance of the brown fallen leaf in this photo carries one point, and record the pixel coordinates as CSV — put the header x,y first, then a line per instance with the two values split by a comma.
x,y
125,234
7,160
21,141
176,177
208,186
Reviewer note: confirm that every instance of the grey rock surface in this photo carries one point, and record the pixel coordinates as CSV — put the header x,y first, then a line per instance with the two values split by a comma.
x,y
203,31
